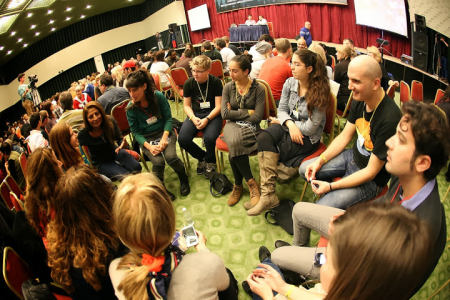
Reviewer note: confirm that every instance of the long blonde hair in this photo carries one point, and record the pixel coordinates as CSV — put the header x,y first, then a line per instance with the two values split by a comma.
x,y
145,221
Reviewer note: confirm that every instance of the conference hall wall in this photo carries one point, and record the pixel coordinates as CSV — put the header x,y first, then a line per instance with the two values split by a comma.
x,y
329,23
83,51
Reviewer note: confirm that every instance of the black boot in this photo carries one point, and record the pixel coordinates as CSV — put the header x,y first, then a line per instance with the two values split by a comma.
x,y
184,184
159,173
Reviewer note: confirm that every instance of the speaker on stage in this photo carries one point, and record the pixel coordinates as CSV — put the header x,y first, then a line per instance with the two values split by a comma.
x,y
178,37
421,24
420,54
173,27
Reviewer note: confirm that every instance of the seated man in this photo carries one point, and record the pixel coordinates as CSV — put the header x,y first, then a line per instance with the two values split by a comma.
x,y
374,117
301,43
72,117
12,164
351,44
266,38
276,70
36,139
184,63
232,47
202,101
416,154
227,53
172,58
210,52
111,95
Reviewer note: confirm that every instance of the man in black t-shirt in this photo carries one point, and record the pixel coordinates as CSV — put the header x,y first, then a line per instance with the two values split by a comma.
x,y
374,117
202,101
210,52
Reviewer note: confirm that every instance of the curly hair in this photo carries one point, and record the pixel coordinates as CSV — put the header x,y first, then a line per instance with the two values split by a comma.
x,y
82,234
43,174
318,94
60,143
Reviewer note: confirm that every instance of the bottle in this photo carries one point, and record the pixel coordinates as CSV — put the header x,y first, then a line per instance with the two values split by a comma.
x,y
188,220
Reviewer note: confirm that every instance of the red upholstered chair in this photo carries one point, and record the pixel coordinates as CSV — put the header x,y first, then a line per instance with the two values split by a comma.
x,y
405,94
15,271
333,62
221,146
120,115
15,201
23,164
391,91
217,69
346,112
157,82
179,76
4,193
13,186
272,106
271,32
439,94
417,91
178,93
329,130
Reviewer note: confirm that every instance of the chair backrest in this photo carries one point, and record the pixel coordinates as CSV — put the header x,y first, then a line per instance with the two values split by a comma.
x,y
347,106
272,106
15,201
157,81
331,116
216,69
333,62
174,86
4,193
23,164
266,114
439,94
179,76
405,94
120,115
15,271
270,25
391,91
86,152
417,90
28,148
13,186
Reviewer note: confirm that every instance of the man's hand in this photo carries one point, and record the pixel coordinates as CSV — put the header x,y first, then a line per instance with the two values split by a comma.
x,y
312,169
320,187
196,121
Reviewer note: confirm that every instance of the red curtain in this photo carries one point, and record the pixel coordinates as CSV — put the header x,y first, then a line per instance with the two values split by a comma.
x,y
329,23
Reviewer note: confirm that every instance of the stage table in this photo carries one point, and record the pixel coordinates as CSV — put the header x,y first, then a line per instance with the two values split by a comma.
x,y
247,33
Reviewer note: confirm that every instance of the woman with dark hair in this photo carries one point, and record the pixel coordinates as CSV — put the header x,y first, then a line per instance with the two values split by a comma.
x,y
49,108
82,238
150,120
243,102
160,67
104,140
188,46
64,142
375,251
297,131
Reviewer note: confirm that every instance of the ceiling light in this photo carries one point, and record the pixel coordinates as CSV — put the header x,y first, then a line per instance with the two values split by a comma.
x,y
88,6
13,33
33,26
51,21
29,15
19,40
6,22
24,45
15,3
68,18
2,47
83,16
49,12
53,29
9,52
69,9
37,33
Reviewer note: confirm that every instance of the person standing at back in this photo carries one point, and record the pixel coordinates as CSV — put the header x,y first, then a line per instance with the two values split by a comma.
x,y
306,34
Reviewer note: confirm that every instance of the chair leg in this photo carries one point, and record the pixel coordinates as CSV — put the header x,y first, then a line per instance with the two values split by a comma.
x,y
221,159
144,162
303,191
218,162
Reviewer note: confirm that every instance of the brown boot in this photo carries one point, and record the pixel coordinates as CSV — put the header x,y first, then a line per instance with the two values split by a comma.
x,y
268,162
235,195
254,191
248,205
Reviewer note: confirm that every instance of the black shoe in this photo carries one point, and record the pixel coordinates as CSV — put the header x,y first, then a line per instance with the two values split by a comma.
x,y
210,168
247,288
184,185
264,253
171,196
201,168
280,243
292,278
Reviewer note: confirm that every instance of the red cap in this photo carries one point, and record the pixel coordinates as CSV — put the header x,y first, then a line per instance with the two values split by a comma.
x,y
128,64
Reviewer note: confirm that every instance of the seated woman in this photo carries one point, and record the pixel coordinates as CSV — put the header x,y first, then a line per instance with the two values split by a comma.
x,y
386,80
81,99
243,102
44,171
150,120
263,52
344,54
49,108
64,142
202,100
82,238
101,135
319,50
160,67
297,131
369,256
154,266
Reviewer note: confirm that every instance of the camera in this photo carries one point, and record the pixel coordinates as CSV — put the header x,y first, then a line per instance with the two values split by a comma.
x,y
33,79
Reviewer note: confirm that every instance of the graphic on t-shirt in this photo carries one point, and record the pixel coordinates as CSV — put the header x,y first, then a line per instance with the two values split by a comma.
x,y
364,142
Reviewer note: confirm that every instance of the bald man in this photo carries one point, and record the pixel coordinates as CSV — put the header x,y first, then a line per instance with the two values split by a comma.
x,y
374,117
306,34
301,43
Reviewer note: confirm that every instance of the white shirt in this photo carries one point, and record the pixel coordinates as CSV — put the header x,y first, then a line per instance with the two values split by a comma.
x,y
262,22
36,140
250,22
227,55
160,68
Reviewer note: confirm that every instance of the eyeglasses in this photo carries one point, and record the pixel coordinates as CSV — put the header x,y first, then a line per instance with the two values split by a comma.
x,y
199,72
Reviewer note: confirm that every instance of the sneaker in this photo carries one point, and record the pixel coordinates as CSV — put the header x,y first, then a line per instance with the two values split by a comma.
x,y
247,288
210,168
201,168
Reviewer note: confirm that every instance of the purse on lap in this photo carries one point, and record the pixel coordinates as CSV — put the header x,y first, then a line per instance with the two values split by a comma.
x,y
282,215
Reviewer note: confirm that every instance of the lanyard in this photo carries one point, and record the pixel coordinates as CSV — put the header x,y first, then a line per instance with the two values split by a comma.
x,y
149,115
201,94
247,87
404,199
370,121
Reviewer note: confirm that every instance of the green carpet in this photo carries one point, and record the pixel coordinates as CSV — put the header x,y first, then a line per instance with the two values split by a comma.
x,y
236,237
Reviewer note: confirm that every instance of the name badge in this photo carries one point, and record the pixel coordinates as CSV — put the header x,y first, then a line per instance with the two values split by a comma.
x,y
204,105
361,140
151,120
296,114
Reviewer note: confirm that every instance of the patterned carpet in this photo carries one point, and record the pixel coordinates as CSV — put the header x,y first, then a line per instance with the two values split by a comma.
x,y
236,237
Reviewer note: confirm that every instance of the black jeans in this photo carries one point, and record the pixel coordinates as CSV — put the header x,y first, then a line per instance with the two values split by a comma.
x,y
210,134
231,293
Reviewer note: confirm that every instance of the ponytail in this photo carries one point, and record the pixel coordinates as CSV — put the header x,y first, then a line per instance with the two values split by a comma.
x,y
134,283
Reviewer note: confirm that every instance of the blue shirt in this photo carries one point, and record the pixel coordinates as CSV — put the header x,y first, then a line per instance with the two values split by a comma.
x,y
304,32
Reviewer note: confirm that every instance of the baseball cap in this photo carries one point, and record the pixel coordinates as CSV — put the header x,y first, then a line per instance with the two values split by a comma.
x,y
128,64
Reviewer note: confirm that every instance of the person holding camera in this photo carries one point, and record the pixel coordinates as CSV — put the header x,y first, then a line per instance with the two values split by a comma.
x,y
25,95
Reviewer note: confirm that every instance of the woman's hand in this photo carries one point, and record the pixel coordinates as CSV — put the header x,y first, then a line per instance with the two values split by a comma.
x,y
320,187
260,287
121,146
228,105
295,133
196,121
202,124
201,241
153,149
274,120
162,144
271,276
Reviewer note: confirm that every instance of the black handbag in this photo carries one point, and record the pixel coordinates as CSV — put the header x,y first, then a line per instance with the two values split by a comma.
x,y
219,182
33,290
282,215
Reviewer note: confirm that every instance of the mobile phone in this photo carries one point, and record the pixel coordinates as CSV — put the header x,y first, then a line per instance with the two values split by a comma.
x,y
319,260
190,236
154,143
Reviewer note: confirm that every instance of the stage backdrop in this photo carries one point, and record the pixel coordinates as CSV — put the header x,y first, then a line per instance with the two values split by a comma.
x,y
329,23
227,5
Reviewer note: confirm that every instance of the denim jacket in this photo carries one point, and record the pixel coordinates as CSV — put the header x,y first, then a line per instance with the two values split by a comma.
x,y
311,127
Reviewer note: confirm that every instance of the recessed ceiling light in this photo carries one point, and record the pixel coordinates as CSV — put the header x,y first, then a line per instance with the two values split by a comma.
x,y
13,33
49,12
25,45
2,47
53,29
51,21
83,16
37,33
88,6
33,26
29,15
9,52
69,9
68,18
19,40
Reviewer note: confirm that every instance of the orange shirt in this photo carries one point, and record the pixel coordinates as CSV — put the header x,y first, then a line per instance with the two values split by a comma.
x,y
275,71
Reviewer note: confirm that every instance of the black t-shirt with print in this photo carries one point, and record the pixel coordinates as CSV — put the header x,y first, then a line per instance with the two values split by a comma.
x,y
374,133
190,89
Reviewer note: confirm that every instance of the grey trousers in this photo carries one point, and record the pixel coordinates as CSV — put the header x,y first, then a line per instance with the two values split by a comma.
x,y
300,257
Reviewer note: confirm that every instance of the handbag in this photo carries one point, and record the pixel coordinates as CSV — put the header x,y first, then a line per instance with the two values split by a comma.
x,y
218,182
282,215
33,290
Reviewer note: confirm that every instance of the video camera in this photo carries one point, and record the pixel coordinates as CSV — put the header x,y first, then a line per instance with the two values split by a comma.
x,y
33,79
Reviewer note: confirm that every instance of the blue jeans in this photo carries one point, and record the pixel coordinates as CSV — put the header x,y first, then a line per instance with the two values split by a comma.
x,y
444,70
267,261
127,164
342,165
